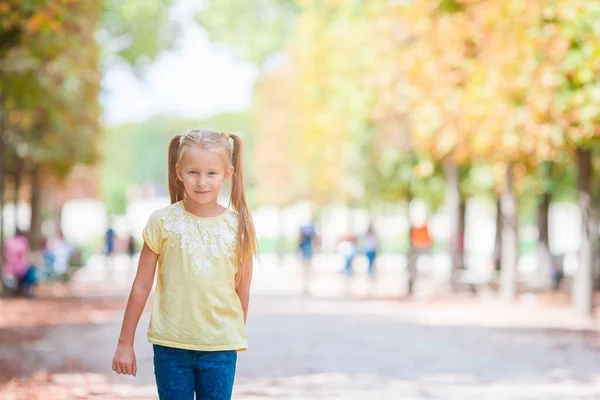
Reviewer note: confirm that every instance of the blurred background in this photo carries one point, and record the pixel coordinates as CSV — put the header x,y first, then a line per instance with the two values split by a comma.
x,y
422,175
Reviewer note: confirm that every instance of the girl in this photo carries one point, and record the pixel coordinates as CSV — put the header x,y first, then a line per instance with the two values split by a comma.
x,y
204,253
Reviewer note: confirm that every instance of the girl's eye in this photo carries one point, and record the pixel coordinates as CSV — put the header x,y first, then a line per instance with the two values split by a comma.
x,y
212,173
193,172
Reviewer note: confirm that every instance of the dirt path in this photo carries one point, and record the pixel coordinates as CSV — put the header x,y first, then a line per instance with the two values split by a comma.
x,y
326,346
308,348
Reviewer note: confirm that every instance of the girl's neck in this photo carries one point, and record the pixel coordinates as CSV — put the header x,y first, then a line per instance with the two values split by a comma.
x,y
210,210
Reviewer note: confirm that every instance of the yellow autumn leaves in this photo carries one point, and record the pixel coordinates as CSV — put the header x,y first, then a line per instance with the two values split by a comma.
x,y
501,81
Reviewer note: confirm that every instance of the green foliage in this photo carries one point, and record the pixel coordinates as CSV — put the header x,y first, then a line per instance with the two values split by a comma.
x,y
253,29
117,167
137,31
450,6
50,80
50,72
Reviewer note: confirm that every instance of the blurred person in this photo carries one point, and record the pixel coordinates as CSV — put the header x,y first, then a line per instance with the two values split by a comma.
x,y
371,244
131,249
204,253
420,244
60,251
421,238
35,263
347,248
557,270
16,252
109,245
307,240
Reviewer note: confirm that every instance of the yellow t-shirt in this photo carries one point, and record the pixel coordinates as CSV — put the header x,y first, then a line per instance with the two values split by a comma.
x,y
196,306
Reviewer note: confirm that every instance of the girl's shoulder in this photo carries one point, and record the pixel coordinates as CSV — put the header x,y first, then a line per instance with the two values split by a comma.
x,y
230,216
172,210
164,215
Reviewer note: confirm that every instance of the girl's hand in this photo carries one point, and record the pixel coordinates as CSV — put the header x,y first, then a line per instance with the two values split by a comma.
x,y
124,360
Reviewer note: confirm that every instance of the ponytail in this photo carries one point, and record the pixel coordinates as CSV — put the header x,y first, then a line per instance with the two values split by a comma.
x,y
175,187
246,235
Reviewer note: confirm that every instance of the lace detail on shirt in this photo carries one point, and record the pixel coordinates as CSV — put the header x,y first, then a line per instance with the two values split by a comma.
x,y
205,240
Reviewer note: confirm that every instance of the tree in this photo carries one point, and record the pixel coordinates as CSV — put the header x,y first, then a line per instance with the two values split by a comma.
x,y
136,32
451,84
254,29
41,100
275,124
50,77
569,34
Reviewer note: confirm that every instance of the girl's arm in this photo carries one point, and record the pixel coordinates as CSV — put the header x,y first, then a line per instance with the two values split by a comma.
x,y
124,360
243,289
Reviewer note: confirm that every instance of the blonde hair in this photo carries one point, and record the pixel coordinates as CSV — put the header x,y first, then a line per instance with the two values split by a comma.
x,y
232,152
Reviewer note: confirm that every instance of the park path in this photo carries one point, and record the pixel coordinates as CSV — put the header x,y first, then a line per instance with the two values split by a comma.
x,y
339,343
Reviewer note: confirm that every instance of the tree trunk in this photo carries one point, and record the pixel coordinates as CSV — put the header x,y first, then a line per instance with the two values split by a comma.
x,y
17,186
452,194
457,206
596,249
412,255
2,180
510,240
35,234
462,223
543,243
583,279
498,239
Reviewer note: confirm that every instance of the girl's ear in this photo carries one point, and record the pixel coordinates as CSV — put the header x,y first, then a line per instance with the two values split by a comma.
x,y
178,172
229,173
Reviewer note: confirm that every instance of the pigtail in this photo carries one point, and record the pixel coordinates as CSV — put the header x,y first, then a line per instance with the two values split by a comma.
x,y
175,186
246,235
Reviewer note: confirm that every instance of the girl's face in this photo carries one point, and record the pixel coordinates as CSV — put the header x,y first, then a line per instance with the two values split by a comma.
x,y
203,173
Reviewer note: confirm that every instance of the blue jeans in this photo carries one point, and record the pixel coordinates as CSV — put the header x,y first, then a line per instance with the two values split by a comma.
x,y
307,252
371,259
348,265
181,373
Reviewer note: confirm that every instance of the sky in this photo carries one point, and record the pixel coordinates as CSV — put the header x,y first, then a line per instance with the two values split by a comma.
x,y
195,80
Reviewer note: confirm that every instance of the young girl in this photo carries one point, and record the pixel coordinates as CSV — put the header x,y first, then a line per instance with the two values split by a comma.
x,y
204,253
